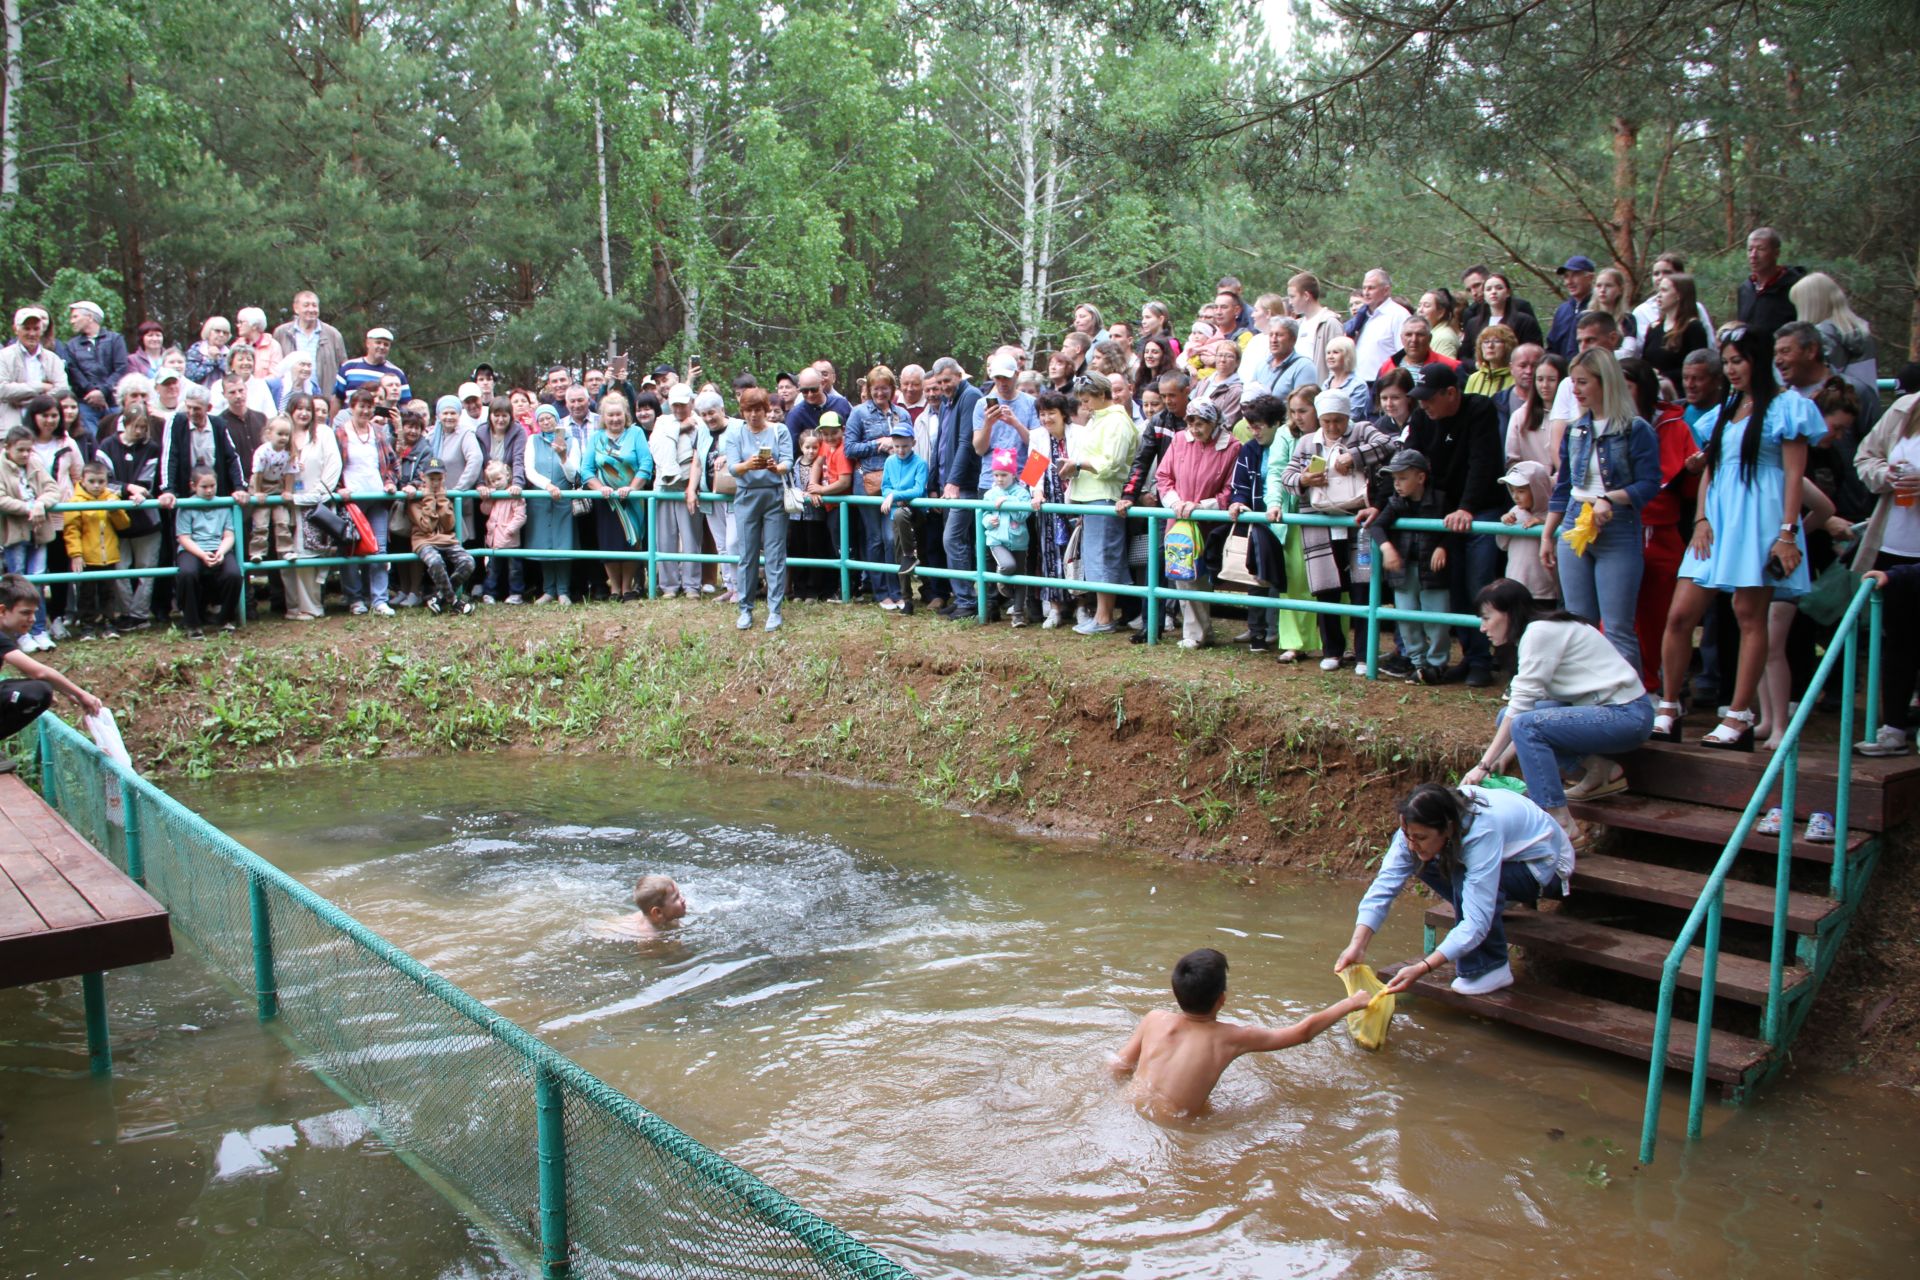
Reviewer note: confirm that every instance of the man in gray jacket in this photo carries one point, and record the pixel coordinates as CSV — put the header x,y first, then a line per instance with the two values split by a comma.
x,y
308,333
29,367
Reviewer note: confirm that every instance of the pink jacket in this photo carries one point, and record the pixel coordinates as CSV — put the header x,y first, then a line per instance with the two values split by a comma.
x,y
505,516
1202,473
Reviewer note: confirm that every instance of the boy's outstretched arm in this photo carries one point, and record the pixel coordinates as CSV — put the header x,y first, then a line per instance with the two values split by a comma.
x,y
40,671
1128,1058
1266,1039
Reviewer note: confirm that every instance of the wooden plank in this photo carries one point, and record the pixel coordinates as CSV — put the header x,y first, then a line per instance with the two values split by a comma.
x,y
1885,789
46,890
1703,824
105,887
16,916
1668,886
1642,955
67,953
1602,1024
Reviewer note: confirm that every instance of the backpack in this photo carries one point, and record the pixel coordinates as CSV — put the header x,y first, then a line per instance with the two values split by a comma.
x,y
1180,552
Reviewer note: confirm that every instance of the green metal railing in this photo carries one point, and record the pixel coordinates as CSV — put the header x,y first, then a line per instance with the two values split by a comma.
x,y
1778,1021
555,1163
1154,592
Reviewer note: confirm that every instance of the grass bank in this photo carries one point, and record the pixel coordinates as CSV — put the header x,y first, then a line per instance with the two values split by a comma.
x,y
1215,754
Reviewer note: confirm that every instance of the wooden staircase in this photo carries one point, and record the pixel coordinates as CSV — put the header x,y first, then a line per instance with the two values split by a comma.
x,y
1589,967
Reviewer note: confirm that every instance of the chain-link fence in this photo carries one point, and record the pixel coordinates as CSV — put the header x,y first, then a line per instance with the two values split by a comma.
x,y
556,1163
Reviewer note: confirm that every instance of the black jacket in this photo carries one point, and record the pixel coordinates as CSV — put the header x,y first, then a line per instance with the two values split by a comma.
x,y
1520,319
137,465
176,459
1468,452
1770,308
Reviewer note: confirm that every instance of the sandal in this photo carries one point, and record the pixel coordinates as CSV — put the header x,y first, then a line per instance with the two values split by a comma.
x,y
1724,737
1583,835
1598,782
1666,721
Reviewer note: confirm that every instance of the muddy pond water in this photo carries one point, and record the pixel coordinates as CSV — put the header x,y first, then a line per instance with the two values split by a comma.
x,y
900,1017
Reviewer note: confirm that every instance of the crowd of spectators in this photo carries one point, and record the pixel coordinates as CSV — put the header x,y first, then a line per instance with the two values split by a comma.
x,y
1680,485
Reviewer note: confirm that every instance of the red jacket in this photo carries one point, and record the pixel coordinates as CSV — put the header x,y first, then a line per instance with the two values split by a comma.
x,y
1678,486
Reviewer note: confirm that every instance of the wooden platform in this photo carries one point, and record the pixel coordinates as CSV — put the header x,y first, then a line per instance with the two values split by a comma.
x,y
65,911
1886,789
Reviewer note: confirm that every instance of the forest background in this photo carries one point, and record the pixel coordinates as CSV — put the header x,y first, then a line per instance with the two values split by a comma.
x,y
525,180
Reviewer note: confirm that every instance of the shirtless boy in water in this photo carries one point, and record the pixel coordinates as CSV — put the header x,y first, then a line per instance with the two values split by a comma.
x,y
1177,1058
661,906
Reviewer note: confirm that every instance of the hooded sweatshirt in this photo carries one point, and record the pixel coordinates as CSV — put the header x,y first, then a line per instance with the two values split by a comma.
x,y
1523,554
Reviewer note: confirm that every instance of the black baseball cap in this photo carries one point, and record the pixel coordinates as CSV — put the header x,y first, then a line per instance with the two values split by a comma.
x,y
483,368
1431,380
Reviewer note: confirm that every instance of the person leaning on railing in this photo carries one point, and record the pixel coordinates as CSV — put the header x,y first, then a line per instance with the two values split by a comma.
x,y
1329,470
759,452
1197,475
1095,467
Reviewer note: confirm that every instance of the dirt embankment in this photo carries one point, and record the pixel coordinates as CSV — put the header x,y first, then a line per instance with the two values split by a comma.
x,y
1216,755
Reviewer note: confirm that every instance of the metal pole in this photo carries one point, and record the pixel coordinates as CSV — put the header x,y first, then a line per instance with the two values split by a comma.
x,y
846,575
1873,665
650,500
551,1132
1703,1034
1843,777
48,791
1373,618
1657,1063
265,993
980,558
93,987
239,514
1789,778
1154,570
130,820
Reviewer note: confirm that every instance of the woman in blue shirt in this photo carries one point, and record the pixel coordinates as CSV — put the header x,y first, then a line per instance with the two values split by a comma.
x,y
618,462
759,454
1477,848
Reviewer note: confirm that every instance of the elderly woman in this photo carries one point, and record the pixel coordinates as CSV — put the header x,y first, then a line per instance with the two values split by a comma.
x,y
1223,389
1293,630
680,447
1341,378
618,463
1329,470
553,466
241,363
207,358
1196,474
1097,458
1478,849
295,379
1492,372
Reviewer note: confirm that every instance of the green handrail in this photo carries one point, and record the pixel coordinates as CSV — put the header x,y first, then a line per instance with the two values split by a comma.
x,y
1782,770
1153,591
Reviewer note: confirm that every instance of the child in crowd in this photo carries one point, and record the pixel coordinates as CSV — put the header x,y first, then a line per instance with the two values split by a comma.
x,y
807,526
27,489
902,479
832,474
93,544
23,700
410,457
1006,527
449,565
270,528
1531,485
661,904
506,516
206,571
1177,1058
1416,563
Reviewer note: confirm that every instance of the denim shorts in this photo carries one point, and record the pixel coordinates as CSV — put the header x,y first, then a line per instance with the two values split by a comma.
x,y
1103,549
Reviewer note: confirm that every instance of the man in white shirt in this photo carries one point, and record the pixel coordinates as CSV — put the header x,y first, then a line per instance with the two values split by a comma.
x,y
1318,325
1377,334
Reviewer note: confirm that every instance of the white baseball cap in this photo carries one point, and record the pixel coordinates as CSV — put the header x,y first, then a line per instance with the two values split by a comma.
x,y
1003,366
380,333
471,391
680,393
25,314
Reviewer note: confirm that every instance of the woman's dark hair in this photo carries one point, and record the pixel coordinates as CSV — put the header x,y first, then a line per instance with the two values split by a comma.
x,y
1838,396
1401,378
1536,407
1504,595
500,404
1755,346
1264,410
1501,276
647,400
35,407
1449,309
1166,354
1646,386
1060,400
145,327
1444,809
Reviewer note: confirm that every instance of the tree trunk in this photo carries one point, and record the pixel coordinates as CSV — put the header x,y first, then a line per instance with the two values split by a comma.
x,y
10,112
1913,322
1626,135
696,188
1029,161
133,269
1049,200
606,239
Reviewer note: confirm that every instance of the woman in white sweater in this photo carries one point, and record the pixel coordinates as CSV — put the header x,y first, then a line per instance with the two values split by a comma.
x,y
1574,701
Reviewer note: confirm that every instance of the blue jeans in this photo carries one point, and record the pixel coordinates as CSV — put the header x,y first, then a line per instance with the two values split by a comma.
x,y
1481,563
1551,738
1604,584
358,581
876,545
30,558
1517,884
1425,644
958,540
760,530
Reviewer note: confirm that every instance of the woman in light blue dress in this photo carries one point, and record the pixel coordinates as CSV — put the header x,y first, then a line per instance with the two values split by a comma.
x,y
1746,536
553,466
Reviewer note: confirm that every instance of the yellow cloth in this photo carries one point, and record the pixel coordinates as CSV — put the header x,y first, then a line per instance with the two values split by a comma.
x,y
1368,1027
1584,531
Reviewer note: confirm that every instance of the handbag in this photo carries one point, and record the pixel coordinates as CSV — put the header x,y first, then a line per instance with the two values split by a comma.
x,y
872,482
1236,560
723,478
794,502
1344,493
329,530
363,540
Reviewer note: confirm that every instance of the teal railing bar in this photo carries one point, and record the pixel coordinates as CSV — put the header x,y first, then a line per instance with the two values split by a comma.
x,y
550,1133
1703,1030
266,991
1843,793
1773,1019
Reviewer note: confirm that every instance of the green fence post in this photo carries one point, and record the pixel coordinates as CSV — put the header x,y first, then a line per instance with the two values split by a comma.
x,y
1843,789
650,500
1873,667
1703,1032
1774,1019
239,514
1154,607
265,993
48,791
130,822
551,1132
980,558
846,575
93,987
1373,619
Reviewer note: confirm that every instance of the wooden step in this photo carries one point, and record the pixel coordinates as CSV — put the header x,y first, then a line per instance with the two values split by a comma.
x,y
1602,1024
1704,824
1886,790
1671,887
1642,955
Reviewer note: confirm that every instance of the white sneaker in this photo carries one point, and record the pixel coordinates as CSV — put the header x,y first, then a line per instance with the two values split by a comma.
x,y
1139,623
48,643
1886,741
358,609
1329,664
566,600
1052,621
544,600
1189,644
515,599
1486,983
30,643
383,610
1360,669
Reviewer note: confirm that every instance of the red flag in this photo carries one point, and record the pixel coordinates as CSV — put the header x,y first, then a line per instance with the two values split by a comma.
x,y
1036,468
